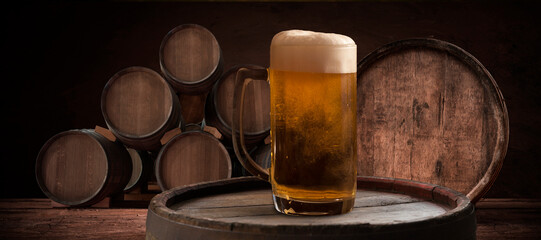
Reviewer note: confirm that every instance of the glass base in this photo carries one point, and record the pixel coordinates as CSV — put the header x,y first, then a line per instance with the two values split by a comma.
x,y
297,207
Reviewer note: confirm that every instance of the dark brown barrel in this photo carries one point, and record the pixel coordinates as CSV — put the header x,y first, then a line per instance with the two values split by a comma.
x,y
139,107
429,111
141,169
193,107
191,157
191,59
81,168
262,155
256,118
242,208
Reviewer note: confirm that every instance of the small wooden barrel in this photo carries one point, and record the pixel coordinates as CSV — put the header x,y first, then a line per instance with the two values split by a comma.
x,y
191,59
262,155
139,106
191,157
242,208
193,107
81,168
429,111
256,117
141,169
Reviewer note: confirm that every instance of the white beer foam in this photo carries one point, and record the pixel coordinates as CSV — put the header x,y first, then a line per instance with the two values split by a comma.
x,y
307,51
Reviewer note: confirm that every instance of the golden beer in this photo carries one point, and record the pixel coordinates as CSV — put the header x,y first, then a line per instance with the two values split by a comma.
x,y
313,123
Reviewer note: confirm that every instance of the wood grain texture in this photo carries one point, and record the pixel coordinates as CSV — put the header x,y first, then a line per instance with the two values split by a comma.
x,y
219,106
192,157
31,218
190,58
242,208
139,107
193,107
81,167
429,111
72,223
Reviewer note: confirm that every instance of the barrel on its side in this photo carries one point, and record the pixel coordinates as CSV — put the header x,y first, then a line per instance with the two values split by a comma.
x,y
242,208
193,108
141,169
429,111
191,157
191,59
81,168
139,107
256,117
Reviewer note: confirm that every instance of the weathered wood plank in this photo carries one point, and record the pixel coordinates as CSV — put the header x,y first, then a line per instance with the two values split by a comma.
x,y
487,203
27,219
72,223
389,214
509,223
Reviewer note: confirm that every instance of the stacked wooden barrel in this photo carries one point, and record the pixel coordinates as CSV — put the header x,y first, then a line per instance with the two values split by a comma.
x,y
427,111
157,129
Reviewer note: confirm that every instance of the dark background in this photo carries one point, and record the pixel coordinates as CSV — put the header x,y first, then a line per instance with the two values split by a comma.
x,y
56,58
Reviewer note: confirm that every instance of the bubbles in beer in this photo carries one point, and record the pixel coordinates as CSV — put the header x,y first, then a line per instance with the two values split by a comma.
x,y
314,133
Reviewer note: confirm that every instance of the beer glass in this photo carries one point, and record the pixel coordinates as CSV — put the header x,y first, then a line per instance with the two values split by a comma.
x,y
312,79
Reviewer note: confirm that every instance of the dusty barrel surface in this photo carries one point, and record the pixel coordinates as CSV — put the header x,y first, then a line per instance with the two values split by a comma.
x,y
81,168
139,106
191,59
429,111
256,117
242,208
191,157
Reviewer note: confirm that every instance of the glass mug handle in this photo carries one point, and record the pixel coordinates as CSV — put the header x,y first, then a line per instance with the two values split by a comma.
x,y
243,78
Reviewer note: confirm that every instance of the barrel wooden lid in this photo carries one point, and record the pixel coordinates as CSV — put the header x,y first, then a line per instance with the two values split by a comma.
x,y
242,208
71,167
189,53
429,111
256,118
192,157
136,102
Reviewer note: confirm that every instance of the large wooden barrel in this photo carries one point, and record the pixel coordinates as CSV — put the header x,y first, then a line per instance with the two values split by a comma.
x,y
139,106
242,208
429,111
191,157
81,168
256,117
191,59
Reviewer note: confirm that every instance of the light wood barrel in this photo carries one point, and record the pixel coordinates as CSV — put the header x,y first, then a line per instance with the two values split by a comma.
x,y
81,168
141,169
191,59
242,208
256,117
139,107
191,157
429,111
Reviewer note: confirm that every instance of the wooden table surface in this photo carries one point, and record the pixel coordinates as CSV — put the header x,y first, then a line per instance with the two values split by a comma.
x,y
36,219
